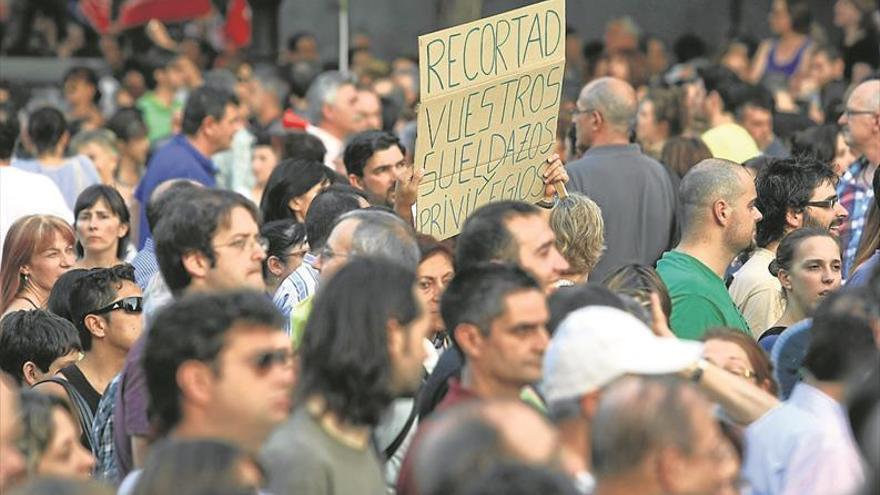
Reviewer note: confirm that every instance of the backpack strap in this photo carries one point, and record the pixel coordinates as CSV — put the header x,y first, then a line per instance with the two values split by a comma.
x,y
389,451
81,409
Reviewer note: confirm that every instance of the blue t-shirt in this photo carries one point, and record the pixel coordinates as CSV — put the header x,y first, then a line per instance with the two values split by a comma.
x,y
177,159
74,175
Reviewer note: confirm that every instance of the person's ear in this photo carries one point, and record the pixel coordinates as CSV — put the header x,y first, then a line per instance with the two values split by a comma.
x,y
470,339
275,265
29,372
123,230
96,325
355,181
396,339
670,468
794,218
721,212
195,380
784,279
590,403
196,264
296,206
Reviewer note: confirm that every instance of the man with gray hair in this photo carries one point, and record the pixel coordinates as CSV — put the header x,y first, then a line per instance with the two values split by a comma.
x,y
658,436
332,110
719,220
634,191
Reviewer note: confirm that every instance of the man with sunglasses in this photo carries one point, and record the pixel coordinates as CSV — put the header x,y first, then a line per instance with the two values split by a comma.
x,y
861,130
792,193
107,306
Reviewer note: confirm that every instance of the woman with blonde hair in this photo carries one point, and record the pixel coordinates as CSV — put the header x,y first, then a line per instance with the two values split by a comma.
x,y
580,236
38,249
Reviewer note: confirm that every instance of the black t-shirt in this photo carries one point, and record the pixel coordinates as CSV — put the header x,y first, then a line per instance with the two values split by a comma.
x,y
864,51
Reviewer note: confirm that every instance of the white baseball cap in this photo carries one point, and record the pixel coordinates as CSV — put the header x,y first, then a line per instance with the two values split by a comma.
x,y
595,345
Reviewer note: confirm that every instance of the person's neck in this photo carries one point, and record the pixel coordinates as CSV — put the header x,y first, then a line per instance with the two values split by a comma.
x,y
103,259
34,294
713,255
165,94
486,386
792,37
128,171
720,118
201,145
609,139
332,129
793,313
574,437
835,390
51,158
852,33
626,484
81,109
199,426
268,113
100,365
873,156
773,246
350,435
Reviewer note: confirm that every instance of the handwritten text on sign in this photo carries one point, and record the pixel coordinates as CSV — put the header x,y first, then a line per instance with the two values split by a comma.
x,y
490,100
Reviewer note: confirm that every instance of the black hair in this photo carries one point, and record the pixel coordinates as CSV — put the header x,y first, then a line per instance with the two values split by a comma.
x,y
261,138
205,101
59,297
786,184
758,96
293,40
571,298
801,16
195,328
289,180
819,142
841,337
282,235
787,249
88,198
9,130
37,336
46,126
362,146
86,74
725,83
638,282
94,290
758,163
159,205
302,145
514,478
476,295
191,226
344,353
485,237
323,212
688,47
127,124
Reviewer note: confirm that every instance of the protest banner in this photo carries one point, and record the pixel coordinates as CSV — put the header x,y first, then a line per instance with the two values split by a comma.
x,y
490,94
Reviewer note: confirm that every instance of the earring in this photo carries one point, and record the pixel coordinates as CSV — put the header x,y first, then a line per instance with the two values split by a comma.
x,y
25,276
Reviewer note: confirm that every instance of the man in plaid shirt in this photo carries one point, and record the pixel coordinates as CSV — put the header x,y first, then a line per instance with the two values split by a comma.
x,y
861,127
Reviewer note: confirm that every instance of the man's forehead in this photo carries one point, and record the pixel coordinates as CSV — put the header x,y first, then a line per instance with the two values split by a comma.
x,y
239,221
531,229
525,304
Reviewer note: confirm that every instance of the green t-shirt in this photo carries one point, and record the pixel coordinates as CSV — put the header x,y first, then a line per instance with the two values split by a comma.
x,y
700,300
157,116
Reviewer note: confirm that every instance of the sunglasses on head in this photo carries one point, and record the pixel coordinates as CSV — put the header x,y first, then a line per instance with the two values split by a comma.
x,y
264,361
134,304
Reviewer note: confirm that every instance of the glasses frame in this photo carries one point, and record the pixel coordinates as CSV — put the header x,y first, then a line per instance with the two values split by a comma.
x,y
121,304
249,243
827,204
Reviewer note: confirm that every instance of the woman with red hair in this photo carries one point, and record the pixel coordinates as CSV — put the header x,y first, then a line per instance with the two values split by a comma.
x,y
38,249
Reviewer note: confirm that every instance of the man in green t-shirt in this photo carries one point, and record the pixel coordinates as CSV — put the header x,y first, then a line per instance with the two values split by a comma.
x,y
719,218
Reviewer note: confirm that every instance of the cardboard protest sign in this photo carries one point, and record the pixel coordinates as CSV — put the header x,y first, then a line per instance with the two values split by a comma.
x,y
490,93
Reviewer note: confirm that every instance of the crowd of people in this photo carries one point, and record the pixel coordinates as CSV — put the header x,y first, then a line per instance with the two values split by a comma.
x,y
210,280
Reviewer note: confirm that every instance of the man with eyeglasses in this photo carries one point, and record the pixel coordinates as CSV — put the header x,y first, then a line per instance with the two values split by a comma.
x,y
792,193
861,130
633,190
211,242
106,305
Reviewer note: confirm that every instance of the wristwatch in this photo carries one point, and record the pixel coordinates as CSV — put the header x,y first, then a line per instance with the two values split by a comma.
x,y
694,372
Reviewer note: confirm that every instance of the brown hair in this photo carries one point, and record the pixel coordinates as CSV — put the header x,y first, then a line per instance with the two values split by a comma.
x,y
28,236
757,357
580,232
638,282
681,153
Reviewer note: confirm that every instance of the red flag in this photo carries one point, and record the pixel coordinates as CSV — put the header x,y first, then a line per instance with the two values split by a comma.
x,y
97,12
138,12
238,23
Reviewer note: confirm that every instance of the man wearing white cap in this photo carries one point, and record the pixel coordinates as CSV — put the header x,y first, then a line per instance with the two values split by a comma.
x,y
595,346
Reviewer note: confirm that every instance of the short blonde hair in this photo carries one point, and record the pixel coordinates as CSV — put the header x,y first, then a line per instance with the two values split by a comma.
x,y
580,232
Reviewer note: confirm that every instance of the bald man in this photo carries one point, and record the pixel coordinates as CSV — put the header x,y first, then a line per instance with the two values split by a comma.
x,y
719,220
633,190
11,460
861,129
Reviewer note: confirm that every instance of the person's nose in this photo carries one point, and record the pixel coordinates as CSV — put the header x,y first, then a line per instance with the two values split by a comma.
x,y
560,263
841,211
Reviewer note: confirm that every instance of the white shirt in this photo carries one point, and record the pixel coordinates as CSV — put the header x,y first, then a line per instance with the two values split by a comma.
x,y
25,193
334,145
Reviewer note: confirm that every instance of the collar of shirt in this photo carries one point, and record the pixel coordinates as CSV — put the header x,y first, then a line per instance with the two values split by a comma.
x,y
202,160
613,149
310,259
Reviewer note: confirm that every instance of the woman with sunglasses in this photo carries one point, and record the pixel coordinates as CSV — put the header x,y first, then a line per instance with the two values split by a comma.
x,y
740,355
106,305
